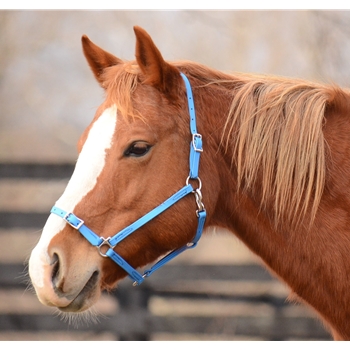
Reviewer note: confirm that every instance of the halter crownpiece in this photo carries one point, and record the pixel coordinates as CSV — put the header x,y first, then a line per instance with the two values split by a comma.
x,y
195,150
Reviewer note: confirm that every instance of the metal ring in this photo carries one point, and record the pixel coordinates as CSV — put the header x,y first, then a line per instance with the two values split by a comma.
x,y
199,183
104,242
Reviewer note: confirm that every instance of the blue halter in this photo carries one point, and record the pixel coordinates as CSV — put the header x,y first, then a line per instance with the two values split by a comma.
x,y
111,242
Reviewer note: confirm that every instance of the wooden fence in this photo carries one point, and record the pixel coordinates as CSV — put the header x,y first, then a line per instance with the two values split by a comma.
x,y
188,299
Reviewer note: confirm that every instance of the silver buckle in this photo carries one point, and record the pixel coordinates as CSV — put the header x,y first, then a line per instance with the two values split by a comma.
x,y
77,227
194,143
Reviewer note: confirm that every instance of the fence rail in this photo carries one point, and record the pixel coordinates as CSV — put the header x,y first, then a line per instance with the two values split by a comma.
x,y
180,301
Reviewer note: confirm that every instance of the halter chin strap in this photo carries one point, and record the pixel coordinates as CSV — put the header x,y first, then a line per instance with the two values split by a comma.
x,y
109,243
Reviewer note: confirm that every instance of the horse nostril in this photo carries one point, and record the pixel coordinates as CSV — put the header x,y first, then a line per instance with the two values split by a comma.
x,y
55,269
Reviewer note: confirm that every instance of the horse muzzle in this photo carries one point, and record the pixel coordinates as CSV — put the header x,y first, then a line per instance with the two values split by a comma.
x,y
72,289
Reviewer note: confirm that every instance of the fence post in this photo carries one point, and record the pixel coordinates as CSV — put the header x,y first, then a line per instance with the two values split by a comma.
x,y
133,304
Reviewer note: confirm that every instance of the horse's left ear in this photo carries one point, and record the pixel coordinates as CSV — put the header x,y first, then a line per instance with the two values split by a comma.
x,y
157,72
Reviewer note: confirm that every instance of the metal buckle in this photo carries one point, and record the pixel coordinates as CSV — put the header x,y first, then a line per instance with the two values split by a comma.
x,y
77,227
194,142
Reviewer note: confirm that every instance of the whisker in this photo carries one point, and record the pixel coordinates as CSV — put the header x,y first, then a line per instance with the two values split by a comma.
x,y
88,317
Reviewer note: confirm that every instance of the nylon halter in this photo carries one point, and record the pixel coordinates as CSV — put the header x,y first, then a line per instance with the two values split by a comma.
x,y
111,242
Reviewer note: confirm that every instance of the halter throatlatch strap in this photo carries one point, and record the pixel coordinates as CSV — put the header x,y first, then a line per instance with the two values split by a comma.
x,y
196,148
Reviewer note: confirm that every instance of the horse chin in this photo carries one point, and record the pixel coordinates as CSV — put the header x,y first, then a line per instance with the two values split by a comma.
x,y
86,298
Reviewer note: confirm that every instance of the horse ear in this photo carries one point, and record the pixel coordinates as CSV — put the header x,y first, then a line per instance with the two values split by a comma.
x,y
98,58
157,72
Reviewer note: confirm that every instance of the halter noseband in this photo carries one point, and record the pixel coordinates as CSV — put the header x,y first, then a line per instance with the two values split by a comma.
x,y
111,242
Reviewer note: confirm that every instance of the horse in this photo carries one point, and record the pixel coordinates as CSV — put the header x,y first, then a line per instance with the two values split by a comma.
x,y
177,147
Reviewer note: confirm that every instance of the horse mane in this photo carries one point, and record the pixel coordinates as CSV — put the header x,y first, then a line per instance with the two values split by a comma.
x,y
274,131
275,127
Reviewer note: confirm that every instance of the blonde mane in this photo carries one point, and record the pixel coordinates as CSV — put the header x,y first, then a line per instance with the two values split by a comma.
x,y
274,128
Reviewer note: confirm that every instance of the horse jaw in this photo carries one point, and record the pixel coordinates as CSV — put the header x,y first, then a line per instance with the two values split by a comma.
x,y
42,262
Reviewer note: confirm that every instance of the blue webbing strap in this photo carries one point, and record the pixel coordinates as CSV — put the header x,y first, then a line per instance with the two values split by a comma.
x,y
196,143
149,216
133,273
79,225
95,240
201,220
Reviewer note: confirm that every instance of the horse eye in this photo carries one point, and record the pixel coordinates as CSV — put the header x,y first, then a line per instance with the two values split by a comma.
x,y
137,149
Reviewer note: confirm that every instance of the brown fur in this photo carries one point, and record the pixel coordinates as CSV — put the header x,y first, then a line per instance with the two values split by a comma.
x,y
275,171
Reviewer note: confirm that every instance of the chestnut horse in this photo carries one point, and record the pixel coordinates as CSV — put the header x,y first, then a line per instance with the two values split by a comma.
x,y
269,156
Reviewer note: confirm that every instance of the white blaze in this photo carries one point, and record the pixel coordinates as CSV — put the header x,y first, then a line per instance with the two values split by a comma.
x,y
89,165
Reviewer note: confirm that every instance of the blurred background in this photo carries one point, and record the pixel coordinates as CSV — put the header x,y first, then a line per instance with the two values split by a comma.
x,y
45,82
48,96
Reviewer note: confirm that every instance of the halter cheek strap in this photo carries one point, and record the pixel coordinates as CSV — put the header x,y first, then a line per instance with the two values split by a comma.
x,y
111,242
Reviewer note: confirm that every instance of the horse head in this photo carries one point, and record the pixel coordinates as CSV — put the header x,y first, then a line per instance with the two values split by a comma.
x,y
132,157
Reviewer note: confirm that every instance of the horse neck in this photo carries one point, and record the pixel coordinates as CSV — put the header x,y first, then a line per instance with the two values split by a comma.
x,y
241,211
296,256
